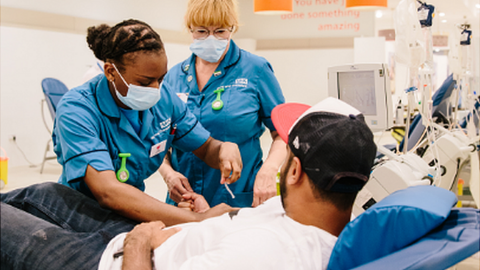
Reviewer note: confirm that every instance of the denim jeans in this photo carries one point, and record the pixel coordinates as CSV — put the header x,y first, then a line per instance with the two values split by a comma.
x,y
51,226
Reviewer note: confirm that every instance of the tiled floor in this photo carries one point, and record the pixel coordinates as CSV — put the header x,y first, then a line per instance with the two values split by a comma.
x,y
472,263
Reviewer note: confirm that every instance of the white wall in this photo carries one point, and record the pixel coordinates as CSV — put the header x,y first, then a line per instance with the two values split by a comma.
x,y
27,57
303,73
164,14
176,53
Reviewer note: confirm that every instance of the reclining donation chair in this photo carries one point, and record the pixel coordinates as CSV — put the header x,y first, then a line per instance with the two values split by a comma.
x,y
413,228
53,90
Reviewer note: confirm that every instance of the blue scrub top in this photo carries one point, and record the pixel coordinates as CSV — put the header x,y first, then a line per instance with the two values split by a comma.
x,y
90,129
251,92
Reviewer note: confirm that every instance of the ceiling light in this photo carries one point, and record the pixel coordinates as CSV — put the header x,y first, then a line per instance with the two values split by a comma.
x,y
441,14
378,13
444,21
477,5
272,6
366,4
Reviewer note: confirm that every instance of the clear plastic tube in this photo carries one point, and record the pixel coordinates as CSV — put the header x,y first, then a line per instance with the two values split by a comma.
x,y
229,190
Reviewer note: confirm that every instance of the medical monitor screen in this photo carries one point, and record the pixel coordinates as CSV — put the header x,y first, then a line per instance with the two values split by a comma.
x,y
357,88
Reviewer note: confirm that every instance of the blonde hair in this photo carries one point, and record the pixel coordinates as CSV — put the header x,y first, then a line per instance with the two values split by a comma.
x,y
221,13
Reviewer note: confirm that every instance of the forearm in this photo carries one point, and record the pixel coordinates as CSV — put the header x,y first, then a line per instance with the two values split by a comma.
x,y
265,182
277,153
209,153
132,203
166,167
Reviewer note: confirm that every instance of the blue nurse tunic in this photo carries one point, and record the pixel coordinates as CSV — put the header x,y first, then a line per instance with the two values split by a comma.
x,y
90,129
250,92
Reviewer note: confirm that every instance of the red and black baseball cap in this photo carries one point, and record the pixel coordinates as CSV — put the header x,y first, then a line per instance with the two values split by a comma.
x,y
334,144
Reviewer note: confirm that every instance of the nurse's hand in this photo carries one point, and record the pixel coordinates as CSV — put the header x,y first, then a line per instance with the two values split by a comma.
x,y
177,185
197,202
230,162
265,185
224,156
186,205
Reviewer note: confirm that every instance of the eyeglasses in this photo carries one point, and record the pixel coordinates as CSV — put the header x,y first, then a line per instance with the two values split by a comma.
x,y
220,33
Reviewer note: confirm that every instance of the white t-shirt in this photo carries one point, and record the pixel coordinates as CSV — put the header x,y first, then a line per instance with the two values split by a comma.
x,y
256,238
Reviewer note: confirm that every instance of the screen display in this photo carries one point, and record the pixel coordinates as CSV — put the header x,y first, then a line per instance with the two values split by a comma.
x,y
357,88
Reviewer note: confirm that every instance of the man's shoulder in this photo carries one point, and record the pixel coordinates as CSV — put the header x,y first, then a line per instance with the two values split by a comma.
x,y
272,207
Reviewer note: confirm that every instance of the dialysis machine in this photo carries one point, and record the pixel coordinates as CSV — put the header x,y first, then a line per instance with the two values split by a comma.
x,y
366,87
444,150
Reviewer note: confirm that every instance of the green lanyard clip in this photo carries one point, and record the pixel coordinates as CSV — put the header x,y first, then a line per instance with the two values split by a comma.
x,y
122,173
217,104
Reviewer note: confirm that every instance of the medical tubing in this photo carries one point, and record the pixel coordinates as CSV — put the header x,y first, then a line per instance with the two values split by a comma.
x,y
412,76
382,149
439,127
426,114
431,141
457,89
471,111
458,127
229,190
411,100
451,115
428,38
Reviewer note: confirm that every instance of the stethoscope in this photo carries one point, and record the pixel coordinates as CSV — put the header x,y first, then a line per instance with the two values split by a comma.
x,y
122,173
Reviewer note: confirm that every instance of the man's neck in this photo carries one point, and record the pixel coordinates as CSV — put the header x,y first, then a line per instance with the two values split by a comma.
x,y
317,213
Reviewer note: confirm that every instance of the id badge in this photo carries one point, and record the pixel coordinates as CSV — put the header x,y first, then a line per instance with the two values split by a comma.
x,y
158,148
183,97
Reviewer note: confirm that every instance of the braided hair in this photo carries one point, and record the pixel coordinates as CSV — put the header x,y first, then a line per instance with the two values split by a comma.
x,y
112,43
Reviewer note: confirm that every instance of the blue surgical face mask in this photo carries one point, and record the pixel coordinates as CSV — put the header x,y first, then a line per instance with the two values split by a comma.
x,y
138,98
209,49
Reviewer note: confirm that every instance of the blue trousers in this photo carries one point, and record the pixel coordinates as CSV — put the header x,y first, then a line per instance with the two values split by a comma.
x,y
51,226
